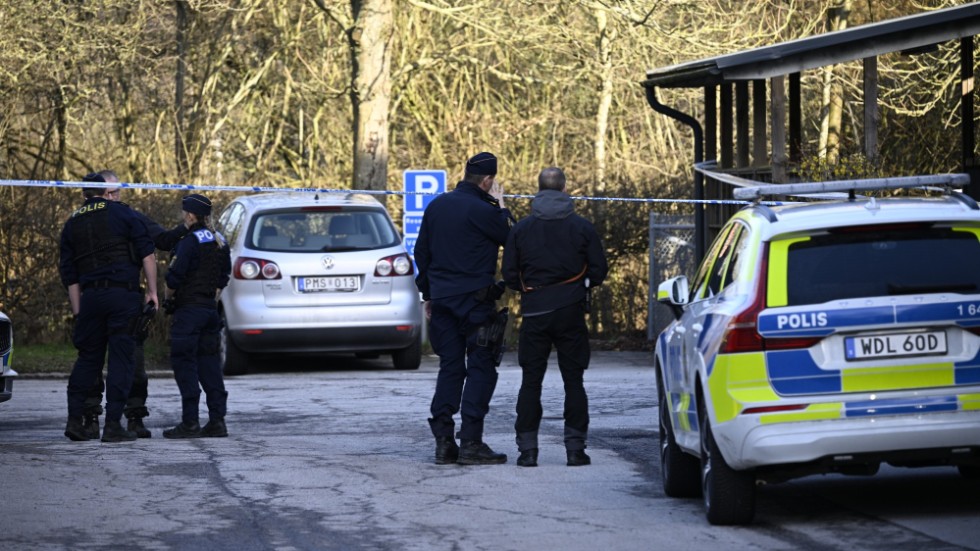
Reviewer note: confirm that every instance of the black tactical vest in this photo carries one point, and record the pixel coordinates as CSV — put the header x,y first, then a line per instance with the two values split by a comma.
x,y
95,246
201,284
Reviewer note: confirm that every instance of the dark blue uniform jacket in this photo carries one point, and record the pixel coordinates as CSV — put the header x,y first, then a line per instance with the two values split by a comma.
x,y
187,259
122,223
461,235
547,249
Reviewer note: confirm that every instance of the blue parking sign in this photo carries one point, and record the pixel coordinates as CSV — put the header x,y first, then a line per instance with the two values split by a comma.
x,y
421,187
426,183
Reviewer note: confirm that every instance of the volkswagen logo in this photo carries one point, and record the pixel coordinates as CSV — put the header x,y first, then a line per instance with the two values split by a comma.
x,y
327,262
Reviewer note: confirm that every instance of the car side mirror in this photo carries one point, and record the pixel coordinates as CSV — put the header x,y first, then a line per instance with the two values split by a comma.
x,y
674,293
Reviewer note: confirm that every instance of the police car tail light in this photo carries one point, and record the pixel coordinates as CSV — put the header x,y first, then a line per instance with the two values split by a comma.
x,y
396,265
774,409
741,334
256,268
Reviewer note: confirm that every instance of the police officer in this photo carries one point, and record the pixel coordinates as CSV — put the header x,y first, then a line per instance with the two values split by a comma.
x,y
103,246
199,270
553,257
135,410
456,253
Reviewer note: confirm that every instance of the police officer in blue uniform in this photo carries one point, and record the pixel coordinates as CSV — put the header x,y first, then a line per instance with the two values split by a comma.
x,y
135,410
199,270
456,253
103,247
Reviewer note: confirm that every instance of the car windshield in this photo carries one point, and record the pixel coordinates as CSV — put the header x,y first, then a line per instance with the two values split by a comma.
x,y
318,229
889,261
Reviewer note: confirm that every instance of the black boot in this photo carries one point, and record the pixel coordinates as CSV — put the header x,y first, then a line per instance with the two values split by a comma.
x,y
92,427
114,432
75,430
183,430
135,424
214,429
528,458
577,458
475,452
447,452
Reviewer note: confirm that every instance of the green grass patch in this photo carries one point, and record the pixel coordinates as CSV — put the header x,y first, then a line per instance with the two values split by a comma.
x,y
59,358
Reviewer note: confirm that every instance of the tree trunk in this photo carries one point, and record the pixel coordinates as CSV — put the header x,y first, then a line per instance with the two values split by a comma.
x,y
370,46
605,98
180,149
832,102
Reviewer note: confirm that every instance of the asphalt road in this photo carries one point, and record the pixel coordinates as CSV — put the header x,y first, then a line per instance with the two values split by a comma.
x,y
335,454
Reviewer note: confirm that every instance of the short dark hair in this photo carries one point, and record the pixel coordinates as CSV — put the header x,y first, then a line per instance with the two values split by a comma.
x,y
475,178
90,192
551,178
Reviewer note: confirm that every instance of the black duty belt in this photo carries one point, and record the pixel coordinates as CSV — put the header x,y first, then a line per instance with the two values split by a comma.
x,y
109,284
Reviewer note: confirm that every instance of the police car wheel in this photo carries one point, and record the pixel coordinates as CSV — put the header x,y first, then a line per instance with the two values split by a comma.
x,y
729,495
679,471
408,358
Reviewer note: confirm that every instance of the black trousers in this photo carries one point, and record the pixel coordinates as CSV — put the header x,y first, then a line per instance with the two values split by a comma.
x,y
467,372
138,392
565,330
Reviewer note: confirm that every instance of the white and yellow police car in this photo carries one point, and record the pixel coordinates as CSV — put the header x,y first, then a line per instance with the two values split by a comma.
x,y
822,337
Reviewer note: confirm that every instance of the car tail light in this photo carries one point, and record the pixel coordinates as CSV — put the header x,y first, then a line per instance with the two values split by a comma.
x,y
742,333
256,268
396,265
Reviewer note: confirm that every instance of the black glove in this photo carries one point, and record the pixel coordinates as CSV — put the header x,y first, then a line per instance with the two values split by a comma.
x,y
169,306
139,328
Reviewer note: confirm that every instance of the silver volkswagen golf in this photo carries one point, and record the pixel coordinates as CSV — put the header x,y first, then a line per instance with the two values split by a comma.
x,y
316,274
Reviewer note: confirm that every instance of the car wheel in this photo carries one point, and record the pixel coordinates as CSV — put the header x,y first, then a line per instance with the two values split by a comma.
x,y
408,358
233,360
729,495
969,471
679,471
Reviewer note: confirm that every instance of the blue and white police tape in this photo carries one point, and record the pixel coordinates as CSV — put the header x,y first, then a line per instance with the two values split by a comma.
x,y
269,189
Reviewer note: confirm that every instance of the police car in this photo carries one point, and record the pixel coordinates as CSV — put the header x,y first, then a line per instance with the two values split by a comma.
x,y
822,337
7,373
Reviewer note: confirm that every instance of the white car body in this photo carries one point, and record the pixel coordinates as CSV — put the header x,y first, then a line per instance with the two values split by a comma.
x,y
331,292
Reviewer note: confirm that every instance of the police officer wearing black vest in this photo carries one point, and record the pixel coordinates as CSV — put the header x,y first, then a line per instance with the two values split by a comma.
x,y
199,270
553,257
135,410
103,247
456,253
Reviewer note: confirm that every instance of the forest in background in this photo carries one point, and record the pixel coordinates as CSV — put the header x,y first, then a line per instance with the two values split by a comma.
x,y
348,94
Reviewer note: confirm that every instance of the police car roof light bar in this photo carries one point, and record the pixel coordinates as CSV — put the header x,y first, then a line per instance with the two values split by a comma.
x,y
850,186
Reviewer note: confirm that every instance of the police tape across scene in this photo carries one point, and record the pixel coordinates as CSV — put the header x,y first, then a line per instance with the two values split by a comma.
x,y
257,189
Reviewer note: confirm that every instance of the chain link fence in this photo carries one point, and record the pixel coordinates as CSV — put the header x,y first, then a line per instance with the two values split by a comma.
x,y
672,253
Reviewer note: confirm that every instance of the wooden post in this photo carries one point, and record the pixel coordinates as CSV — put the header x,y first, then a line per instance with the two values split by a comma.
x,y
759,133
727,126
778,98
742,124
710,122
795,120
871,116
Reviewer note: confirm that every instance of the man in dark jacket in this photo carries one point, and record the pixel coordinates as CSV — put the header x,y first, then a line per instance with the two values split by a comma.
x,y
456,253
553,257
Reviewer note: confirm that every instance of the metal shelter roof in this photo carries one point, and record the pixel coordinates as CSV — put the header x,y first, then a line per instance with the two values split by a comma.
x,y
904,33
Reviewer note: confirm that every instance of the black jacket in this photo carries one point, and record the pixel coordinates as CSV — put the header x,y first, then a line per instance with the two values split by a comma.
x,y
459,240
550,254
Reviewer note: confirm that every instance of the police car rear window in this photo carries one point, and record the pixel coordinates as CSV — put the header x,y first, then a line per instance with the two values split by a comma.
x,y
894,261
